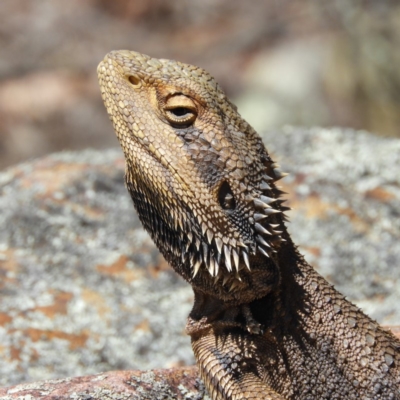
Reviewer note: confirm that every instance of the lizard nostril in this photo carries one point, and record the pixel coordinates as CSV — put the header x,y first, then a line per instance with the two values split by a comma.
x,y
134,80
225,197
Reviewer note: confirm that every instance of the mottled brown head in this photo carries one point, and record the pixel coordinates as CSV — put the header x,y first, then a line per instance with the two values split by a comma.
x,y
199,175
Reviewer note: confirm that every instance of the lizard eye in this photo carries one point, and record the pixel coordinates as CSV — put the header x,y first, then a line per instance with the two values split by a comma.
x,y
180,111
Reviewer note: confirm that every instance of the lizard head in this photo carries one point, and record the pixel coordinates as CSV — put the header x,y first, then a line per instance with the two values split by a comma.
x,y
200,177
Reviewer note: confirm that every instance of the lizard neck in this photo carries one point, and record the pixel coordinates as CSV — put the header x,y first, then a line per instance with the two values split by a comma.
x,y
315,331
289,304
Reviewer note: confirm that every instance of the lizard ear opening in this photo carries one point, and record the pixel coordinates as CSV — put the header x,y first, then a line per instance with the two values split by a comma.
x,y
225,197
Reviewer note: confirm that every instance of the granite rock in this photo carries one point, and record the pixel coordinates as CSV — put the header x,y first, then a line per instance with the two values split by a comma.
x,y
83,289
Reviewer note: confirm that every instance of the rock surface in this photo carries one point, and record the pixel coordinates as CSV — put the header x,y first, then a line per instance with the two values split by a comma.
x,y
83,289
178,383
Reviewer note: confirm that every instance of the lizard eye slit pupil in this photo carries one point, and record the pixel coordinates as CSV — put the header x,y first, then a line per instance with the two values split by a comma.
x,y
226,198
134,80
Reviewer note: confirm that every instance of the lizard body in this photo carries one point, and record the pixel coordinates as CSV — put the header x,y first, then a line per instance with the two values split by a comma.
x,y
264,324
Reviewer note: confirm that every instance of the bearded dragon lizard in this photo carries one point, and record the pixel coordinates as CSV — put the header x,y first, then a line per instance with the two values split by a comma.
x,y
264,324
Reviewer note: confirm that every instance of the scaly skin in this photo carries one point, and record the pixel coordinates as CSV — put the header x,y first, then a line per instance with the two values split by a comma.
x,y
264,324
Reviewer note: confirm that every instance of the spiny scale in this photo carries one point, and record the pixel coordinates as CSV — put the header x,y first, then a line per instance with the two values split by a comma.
x,y
219,244
196,267
267,200
262,241
235,259
246,260
227,253
230,251
266,240
259,217
264,186
260,229
210,236
263,251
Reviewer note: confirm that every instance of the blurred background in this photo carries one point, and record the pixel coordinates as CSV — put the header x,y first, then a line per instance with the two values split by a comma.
x,y
325,62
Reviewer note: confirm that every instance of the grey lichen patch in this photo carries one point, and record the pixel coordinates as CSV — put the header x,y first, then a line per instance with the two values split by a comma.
x,y
199,394
168,384
148,387
99,378
45,387
100,394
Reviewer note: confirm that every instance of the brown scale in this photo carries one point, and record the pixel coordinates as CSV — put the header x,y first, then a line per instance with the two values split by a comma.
x,y
264,324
